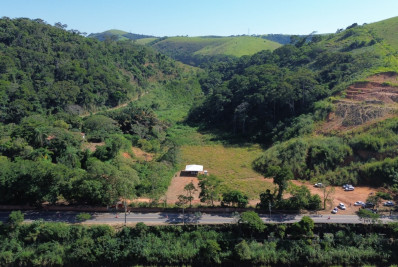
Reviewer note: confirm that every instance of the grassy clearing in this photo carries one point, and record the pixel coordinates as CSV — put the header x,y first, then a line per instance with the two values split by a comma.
x,y
234,46
239,46
232,164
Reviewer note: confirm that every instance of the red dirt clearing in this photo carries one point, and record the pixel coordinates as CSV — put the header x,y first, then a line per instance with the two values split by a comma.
x,y
176,188
364,103
361,193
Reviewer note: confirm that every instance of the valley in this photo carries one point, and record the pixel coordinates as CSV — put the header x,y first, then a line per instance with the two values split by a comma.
x,y
110,120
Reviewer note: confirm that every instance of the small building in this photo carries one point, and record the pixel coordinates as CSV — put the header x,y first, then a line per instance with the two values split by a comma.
x,y
194,169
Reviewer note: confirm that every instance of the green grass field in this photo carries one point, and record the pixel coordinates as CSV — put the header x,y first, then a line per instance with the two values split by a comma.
x,y
232,164
386,29
234,46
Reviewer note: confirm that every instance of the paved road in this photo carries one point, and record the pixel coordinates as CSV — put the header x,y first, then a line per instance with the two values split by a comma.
x,y
177,218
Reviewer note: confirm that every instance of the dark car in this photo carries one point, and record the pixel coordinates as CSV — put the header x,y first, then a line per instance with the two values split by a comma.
x,y
368,205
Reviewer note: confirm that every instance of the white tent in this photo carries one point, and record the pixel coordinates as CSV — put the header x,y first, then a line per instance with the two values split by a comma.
x,y
193,168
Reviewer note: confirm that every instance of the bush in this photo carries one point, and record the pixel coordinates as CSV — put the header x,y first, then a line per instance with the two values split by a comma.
x,y
15,218
235,198
251,222
384,195
81,217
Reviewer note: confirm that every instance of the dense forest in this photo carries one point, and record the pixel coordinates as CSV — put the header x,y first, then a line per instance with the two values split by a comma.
x,y
47,69
49,78
251,95
247,242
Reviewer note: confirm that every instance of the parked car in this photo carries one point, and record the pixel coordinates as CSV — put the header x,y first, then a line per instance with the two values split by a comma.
x,y
349,188
389,203
320,185
368,205
345,185
334,211
341,206
359,203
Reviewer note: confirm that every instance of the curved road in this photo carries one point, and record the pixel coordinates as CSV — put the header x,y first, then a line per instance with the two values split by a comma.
x,y
177,218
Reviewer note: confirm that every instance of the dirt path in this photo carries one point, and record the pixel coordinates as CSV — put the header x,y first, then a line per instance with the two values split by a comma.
x,y
117,107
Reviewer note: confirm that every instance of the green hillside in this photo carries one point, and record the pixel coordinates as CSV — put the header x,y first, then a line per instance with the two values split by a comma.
x,y
49,152
45,69
315,103
145,41
387,30
118,35
194,50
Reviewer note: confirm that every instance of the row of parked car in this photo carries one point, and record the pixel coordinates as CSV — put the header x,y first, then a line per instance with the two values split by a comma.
x,y
366,205
346,187
340,206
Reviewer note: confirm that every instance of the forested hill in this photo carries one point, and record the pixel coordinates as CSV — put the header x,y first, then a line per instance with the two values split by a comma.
x,y
250,96
325,108
46,69
198,51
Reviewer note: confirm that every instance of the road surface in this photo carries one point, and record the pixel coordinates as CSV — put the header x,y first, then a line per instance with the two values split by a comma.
x,y
178,218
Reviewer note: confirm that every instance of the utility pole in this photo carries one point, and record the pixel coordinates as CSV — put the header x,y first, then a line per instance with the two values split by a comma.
x,y
183,215
125,213
269,207
125,207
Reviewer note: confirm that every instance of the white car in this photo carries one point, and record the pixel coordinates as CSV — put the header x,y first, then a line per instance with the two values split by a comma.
x,y
341,206
320,185
349,188
359,203
334,211
388,203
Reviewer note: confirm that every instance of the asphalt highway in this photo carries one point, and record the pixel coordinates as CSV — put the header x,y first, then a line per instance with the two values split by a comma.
x,y
178,218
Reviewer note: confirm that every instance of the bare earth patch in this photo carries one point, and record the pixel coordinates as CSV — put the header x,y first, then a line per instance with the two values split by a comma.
x,y
176,188
126,155
360,193
364,103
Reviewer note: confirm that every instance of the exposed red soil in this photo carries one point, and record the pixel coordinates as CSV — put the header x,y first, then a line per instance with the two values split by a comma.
x,y
176,188
361,193
364,103
126,155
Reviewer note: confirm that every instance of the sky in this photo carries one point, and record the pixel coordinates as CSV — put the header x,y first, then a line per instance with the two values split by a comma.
x,y
203,17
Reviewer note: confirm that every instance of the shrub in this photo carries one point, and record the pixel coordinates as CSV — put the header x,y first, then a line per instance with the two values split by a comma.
x,y
235,197
81,217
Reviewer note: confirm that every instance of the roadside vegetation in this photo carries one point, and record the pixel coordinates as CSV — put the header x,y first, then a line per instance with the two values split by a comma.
x,y
249,241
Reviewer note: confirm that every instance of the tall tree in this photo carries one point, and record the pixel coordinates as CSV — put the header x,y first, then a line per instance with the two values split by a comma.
x,y
190,189
210,188
281,178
